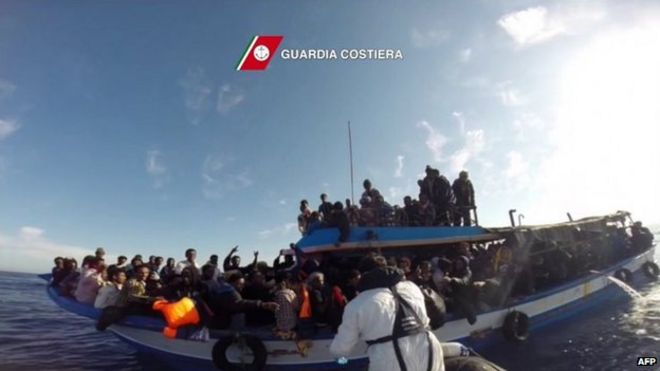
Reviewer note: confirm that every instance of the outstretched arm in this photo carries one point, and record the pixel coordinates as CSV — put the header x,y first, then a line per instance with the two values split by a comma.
x,y
226,264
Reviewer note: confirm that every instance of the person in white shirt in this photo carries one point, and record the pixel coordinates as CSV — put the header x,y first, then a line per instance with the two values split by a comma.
x,y
191,255
372,315
91,279
109,294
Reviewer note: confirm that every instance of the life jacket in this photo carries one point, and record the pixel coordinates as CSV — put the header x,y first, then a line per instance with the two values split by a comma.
x,y
406,323
177,314
306,306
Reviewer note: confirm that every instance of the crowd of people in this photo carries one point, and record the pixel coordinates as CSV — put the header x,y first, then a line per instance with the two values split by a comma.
x,y
439,203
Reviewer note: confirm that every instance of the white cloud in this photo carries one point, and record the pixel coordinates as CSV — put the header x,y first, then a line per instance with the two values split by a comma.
x,y
428,38
282,202
282,230
509,95
531,26
156,168
434,141
6,89
475,142
196,91
465,55
398,172
228,98
7,128
538,24
30,245
219,178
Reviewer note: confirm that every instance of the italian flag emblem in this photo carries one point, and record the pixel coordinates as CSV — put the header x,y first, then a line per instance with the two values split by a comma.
x,y
259,52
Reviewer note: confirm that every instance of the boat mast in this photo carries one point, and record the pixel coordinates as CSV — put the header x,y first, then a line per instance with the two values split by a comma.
x,y
350,152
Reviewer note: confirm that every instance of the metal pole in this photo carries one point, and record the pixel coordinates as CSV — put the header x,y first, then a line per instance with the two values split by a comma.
x,y
350,151
513,223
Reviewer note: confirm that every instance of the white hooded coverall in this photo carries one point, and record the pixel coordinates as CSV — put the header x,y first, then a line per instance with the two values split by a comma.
x,y
371,316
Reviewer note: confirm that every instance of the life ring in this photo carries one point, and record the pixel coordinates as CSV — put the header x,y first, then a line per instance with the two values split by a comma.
x,y
255,345
651,270
624,275
516,326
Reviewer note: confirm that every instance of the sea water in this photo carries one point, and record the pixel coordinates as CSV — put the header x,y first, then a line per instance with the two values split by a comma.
x,y
35,334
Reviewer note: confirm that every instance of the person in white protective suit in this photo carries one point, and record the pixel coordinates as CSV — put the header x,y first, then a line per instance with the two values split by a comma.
x,y
371,316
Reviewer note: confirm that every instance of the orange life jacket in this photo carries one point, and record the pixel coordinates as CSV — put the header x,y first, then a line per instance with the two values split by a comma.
x,y
177,314
306,306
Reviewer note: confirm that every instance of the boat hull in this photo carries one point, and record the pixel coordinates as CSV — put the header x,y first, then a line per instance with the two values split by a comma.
x,y
543,309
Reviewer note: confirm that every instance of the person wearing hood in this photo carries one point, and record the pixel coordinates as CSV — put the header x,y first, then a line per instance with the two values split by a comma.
x,y
372,315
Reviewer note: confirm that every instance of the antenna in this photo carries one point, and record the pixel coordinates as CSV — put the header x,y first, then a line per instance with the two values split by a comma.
x,y
350,152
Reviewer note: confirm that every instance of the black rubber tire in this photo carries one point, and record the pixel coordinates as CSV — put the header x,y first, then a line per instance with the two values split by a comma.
x,y
516,327
257,347
651,270
624,275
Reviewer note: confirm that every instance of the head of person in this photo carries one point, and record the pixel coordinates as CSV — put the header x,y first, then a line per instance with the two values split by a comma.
x,y
208,271
191,255
371,261
283,280
158,261
348,203
70,264
353,277
214,259
257,278
338,206
118,276
138,256
152,259
136,262
460,264
426,270
407,201
405,264
304,204
142,273
316,280
100,252
391,261
170,262
59,262
463,175
435,173
237,281
314,216
235,261
367,184
189,276
324,197
121,260
87,259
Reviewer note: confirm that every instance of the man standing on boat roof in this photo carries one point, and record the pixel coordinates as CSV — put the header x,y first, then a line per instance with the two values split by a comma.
x,y
325,208
369,192
389,314
464,193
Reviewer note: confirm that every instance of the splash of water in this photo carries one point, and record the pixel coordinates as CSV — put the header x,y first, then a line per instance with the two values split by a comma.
x,y
629,290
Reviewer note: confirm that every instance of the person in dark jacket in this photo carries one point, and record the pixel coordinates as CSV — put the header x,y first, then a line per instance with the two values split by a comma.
x,y
256,289
464,192
325,208
225,300
233,262
443,198
339,220
167,273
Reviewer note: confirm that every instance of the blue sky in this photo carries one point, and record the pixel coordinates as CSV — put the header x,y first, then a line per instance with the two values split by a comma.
x,y
125,125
